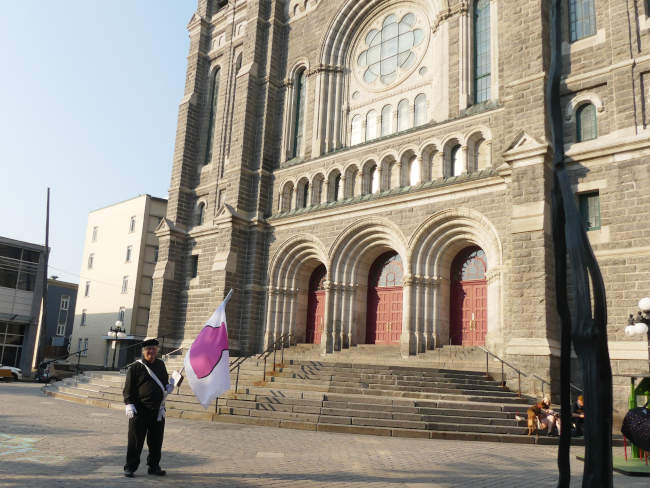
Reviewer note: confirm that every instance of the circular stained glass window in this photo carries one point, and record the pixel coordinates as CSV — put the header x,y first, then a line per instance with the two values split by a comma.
x,y
390,49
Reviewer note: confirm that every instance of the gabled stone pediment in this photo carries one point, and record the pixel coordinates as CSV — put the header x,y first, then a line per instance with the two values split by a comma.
x,y
196,19
524,147
166,226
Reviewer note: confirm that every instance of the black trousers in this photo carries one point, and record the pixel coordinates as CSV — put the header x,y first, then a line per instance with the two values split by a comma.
x,y
144,424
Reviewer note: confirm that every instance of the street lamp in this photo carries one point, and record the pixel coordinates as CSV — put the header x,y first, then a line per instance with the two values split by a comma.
x,y
115,333
640,324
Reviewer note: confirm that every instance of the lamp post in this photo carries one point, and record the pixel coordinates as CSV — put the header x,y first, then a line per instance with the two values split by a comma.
x,y
115,333
641,323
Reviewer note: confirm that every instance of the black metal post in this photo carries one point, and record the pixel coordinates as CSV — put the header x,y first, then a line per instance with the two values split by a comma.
x,y
237,380
275,350
265,368
114,351
282,359
503,376
519,381
487,364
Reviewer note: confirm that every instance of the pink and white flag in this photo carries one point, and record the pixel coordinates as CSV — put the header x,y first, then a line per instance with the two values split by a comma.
x,y
207,363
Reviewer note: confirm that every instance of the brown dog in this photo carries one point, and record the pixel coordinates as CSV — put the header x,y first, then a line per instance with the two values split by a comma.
x,y
532,419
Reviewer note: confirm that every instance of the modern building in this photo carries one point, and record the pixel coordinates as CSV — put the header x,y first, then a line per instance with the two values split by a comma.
x,y
120,252
22,268
379,171
61,301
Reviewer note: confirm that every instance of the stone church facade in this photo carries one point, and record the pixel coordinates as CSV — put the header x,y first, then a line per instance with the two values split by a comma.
x,y
379,171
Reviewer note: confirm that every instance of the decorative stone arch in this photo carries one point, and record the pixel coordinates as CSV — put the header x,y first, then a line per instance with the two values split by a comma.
x,y
431,160
288,284
433,246
350,181
389,172
334,194
478,142
367,174
351,256
580,100
408,156
336,54
200,210
303,200
301,65
448,145
285,199
317,188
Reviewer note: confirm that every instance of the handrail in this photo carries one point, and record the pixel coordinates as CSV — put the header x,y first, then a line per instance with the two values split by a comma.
x,y
139,343
165,357
543,382
44,364
265,354
503,382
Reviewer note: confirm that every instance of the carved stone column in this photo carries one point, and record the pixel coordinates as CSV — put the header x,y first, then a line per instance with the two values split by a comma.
x,y
418,287
351,326
465,64
270,315
408,339
326,335
291,327
336,315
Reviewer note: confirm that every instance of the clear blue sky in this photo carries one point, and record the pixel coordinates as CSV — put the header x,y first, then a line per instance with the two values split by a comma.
x,y
89,94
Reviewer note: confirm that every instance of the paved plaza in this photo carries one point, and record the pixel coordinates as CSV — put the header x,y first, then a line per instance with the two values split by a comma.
x,y
51,443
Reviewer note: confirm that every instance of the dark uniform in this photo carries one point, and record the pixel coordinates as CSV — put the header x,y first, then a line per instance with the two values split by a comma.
x,y
142,391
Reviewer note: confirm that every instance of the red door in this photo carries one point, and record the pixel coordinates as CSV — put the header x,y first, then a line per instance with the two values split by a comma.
x,y
384,317
316,306
468,311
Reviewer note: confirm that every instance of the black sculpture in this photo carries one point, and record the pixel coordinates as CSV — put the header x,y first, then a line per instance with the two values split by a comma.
x,y
589,334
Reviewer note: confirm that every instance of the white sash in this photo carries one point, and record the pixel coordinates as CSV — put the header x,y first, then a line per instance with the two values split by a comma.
x,y
161,411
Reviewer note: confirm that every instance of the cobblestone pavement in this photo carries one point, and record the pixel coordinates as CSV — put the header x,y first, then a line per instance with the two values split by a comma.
x,y
52,443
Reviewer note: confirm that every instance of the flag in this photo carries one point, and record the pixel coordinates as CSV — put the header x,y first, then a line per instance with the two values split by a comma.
x,y
207,363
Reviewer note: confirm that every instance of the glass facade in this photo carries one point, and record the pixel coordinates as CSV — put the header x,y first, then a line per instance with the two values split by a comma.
x,y
11,343
18,267
482,68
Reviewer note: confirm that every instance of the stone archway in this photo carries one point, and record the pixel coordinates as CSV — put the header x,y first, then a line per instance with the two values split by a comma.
x,y
385,294
433,247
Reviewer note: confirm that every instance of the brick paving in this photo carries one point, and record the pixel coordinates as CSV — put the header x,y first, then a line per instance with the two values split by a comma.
x,y
50,443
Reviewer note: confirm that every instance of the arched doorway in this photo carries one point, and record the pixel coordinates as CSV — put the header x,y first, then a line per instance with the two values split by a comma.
x,y
384,318
316,305
468,311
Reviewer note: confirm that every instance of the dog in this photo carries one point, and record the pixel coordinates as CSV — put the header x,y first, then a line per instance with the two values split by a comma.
x,y
532,420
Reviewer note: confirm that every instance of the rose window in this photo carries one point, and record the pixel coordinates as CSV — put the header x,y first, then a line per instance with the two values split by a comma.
x,y
390,50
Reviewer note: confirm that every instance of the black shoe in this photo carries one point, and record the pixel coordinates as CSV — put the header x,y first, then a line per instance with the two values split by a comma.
x,y
129,474
155,470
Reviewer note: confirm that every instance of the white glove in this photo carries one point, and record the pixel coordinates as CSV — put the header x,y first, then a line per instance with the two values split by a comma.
x,y
170,387
130,411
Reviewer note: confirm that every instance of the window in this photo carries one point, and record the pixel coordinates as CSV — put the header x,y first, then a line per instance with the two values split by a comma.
x,y
120,314
357,135
420,113
414,172
220,198
200,214
85,348
213,114
129,253
91,260
586,123
582,19
63,315
391,49
305,195
371,125
132,225
387,120
299,117
155,254
337,187
403,115
455,159
87,290
374,180
195,265
589,204
482,68
125,284
95,232
83,317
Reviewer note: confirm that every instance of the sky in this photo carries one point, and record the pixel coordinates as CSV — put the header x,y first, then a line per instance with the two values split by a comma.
x,y
89,94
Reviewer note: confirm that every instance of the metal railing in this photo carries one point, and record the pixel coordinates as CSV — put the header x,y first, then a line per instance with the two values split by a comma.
x,y
138,344
503,362
544,382
279,343
44,364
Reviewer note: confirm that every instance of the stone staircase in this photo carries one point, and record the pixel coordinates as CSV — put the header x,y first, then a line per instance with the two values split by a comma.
x,y
405,399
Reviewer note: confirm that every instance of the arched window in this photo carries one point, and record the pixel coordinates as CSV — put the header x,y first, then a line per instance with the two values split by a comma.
x,y
586,123
582,19
420,114
403,115
482,60
200,214
415,172
213,114
337,187
456,161
387,120
371,125
305,195
357,136
374,180
299,117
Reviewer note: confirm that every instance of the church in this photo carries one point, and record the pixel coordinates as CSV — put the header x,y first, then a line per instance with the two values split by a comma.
x,y
379,172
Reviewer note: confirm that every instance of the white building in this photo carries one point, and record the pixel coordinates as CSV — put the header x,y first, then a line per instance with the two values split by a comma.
x,y
120,253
